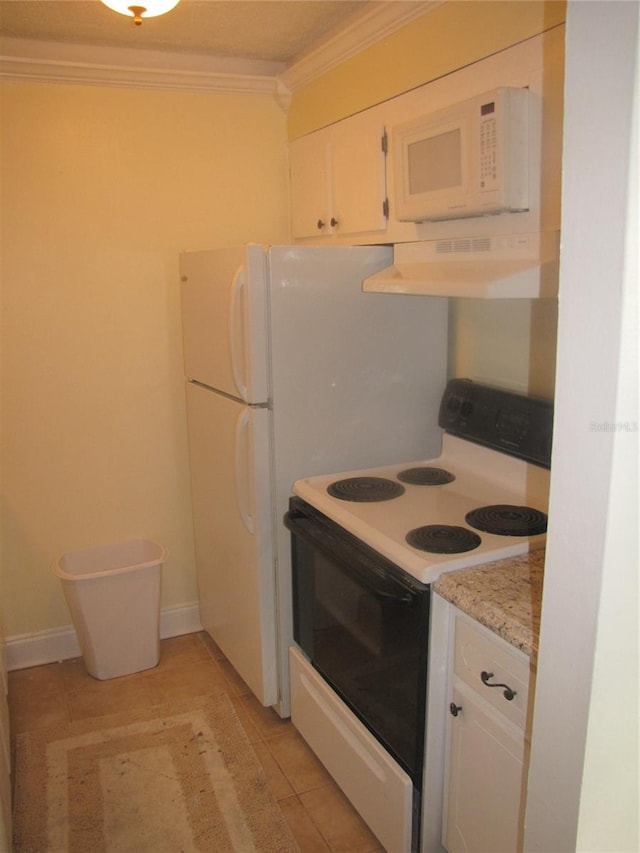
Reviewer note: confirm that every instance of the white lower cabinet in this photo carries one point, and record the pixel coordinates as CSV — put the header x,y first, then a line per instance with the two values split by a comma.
x,y
485,764
484,782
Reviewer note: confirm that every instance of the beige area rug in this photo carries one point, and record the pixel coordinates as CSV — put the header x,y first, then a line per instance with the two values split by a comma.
x,y
157,781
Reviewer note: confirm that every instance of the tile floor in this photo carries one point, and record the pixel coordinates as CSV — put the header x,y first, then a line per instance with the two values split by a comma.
x,y
320,817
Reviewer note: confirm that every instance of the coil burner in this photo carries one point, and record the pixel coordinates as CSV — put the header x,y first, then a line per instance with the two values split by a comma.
x,y
365,489
443,539
508,520
426,475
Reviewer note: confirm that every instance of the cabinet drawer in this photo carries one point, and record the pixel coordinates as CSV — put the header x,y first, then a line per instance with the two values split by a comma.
x,y
475,653
378,788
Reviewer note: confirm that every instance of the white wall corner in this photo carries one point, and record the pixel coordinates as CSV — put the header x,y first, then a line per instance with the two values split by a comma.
x,y
57,644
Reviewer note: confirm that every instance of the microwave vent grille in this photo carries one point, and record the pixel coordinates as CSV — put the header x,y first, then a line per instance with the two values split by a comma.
x,y
463,246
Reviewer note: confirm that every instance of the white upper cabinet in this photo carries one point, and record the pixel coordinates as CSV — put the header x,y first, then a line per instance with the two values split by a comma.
x,y
309,170
342,184
338,179
358,185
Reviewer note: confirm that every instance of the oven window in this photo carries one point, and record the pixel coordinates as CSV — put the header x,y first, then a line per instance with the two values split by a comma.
x,y
365,630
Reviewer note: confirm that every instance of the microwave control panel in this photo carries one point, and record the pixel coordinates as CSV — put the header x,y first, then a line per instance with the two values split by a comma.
x,y
488,172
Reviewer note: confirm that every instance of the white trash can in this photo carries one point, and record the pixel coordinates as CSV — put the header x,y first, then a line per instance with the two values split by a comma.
x,y
113,593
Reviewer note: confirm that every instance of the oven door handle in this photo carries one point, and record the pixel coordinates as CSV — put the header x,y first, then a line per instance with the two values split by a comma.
x,y
324,541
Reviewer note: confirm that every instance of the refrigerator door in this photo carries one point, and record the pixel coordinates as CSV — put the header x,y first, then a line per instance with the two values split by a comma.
x,y
229,453
224,320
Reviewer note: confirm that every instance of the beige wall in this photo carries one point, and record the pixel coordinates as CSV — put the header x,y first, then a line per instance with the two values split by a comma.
x,y
101,189
450,36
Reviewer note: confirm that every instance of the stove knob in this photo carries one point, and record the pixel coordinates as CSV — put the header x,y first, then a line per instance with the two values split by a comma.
x,y
455,709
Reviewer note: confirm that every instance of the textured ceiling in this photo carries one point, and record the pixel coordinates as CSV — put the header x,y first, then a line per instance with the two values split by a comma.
x,y
275,30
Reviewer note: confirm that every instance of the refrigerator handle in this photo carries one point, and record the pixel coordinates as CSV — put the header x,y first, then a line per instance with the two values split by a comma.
x,y
236,341
243,487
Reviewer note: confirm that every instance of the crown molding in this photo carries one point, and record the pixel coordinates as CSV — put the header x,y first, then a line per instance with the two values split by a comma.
x,y
361,31
57,62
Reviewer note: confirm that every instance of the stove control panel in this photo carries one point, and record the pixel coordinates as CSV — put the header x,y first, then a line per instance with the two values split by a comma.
x,y
516,424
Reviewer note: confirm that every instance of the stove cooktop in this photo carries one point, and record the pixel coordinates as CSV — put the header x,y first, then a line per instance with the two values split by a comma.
x,y
469,506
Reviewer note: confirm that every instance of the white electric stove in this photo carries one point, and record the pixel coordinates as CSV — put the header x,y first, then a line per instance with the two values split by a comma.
x,y
470,505
366,547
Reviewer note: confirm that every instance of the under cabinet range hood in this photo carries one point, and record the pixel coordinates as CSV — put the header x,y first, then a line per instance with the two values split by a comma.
x,y
512,266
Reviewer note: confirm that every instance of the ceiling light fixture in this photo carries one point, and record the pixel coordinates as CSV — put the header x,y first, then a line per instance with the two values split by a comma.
x,y
151,8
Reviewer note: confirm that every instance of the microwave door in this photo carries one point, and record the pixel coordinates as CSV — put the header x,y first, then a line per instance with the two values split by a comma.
x,y
467,160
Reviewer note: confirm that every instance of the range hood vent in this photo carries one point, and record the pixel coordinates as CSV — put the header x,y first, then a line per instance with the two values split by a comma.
x,y
513,266
463,245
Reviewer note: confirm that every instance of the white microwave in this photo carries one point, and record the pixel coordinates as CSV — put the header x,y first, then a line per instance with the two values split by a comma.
x,y
469,159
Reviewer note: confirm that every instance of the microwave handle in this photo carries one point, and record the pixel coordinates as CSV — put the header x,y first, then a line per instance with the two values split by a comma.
x,y
325,542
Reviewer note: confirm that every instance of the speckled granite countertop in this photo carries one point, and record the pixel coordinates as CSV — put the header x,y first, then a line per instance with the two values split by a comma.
x,y
505,596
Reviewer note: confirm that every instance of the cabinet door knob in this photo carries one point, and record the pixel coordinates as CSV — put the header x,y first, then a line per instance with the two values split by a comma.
x,y
320,224
455,709
334,222
508,692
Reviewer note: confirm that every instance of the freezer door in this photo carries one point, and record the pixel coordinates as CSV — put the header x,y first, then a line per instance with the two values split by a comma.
x,y
223,320
229,450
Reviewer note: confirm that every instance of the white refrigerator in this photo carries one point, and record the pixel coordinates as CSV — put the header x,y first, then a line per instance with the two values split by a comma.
x,y
291,370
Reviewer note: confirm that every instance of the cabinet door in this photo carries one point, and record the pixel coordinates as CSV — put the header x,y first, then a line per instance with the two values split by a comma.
x,y
358,185
338,183
484,779
309,175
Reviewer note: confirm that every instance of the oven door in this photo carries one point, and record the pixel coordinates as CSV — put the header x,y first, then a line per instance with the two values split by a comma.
x,y
363,624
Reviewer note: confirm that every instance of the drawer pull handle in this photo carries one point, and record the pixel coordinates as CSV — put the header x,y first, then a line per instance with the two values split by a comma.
x,y
455,709
508,692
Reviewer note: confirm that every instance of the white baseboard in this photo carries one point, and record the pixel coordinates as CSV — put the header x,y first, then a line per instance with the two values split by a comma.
x,y
56,644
